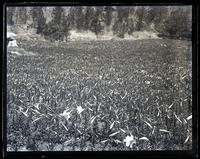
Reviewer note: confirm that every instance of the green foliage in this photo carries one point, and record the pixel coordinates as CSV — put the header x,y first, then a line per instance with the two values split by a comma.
x,y
132,21
71,17
140,13
21,16
120,26
58,27
35,16
66,27
177,25
108,15
79,18
10,13
57,15
134,93
54,31
90,13
96,25
119,29
171,22
39,20
159,14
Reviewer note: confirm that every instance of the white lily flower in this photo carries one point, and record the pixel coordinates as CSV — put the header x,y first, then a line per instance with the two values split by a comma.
x,y
66,114
147,82
129,140
79,109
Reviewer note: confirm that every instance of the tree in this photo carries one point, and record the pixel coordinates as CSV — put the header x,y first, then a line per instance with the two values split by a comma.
x,y
79,18
71,17
10,13
54,27
140,13
58,27
178,24
108,15
96,25
90,13
66,27
57,15
21,15
35,16
159,16
39,21
120,27
132,20
151,14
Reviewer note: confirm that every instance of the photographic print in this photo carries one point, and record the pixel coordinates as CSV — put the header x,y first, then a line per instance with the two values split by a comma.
x,y
99,78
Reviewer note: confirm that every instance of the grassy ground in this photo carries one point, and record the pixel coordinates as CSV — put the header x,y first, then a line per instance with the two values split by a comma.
x,y
92,95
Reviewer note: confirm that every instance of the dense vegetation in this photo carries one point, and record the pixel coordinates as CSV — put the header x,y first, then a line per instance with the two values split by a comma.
x,y
55,22
101,95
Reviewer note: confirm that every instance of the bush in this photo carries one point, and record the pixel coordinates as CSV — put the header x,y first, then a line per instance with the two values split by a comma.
x,y
177,25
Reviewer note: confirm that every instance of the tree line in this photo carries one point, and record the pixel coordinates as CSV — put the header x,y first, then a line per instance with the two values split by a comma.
x,y
56,22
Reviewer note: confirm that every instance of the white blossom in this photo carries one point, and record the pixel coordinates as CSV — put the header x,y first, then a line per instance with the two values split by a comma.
x,y
66,114
79,109
129,140
147,82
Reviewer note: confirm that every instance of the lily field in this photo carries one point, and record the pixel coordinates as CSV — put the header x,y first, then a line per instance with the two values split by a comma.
x,y
115,95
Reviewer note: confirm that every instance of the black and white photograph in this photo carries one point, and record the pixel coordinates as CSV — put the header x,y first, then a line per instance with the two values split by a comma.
x,y
99,78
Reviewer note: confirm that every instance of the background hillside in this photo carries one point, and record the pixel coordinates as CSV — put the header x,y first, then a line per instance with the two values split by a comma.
x,y
55,23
